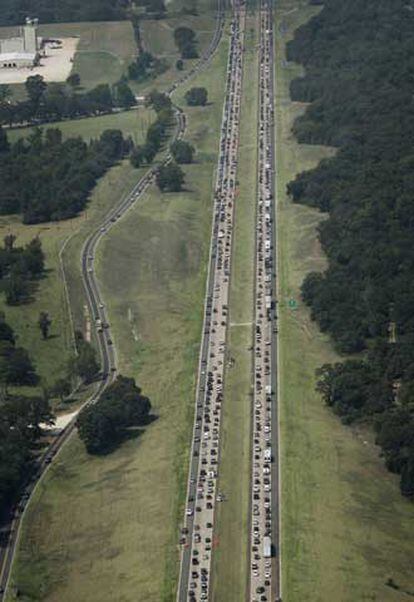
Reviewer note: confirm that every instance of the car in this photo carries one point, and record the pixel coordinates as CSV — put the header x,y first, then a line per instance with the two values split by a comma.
x,y
189,512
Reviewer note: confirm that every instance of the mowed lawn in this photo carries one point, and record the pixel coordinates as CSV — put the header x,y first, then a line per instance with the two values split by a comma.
x,y
230,559
105,529
345,527
158,38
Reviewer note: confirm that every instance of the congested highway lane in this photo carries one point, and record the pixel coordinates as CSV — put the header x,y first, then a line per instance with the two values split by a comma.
x,y
197,533
265,503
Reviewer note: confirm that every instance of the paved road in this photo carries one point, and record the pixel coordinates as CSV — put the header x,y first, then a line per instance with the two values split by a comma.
x,y
264,519
10,528
197,541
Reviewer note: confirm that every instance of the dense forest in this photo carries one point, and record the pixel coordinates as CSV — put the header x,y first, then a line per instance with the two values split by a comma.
x,y
46,178
13,12
359,73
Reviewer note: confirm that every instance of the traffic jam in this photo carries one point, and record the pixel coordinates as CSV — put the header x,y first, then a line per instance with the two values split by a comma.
x,y
264,586
197,534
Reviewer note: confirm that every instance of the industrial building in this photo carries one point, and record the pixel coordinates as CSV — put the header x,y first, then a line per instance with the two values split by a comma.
x,y
21,51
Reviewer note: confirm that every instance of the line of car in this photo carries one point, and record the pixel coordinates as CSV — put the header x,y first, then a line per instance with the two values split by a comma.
x,y
264,511
197,535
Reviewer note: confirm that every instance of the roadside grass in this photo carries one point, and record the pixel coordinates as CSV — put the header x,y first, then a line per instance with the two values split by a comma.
x,y
132,123
230,558
104,51
345,527
51,356
158,38
107,528
48,296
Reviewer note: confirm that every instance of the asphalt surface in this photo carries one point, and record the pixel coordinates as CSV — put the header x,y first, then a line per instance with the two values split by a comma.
x,y
10,528
264,509
197,534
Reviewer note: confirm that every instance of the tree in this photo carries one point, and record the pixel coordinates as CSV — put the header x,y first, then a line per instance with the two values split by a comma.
x,y
16,289
158,100
95,430
87,366
4,142
138,156
123,95
35,88
5,93
104,424
74,80
196,97
101,97
183,152
61,388
44,324
9,241
179,65
170,178
185,40
34,258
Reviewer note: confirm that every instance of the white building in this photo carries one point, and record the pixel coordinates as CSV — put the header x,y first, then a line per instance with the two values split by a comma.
x,y
23,50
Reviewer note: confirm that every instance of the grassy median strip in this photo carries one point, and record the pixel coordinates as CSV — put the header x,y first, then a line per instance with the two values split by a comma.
x,y
107,528
345,527
230,559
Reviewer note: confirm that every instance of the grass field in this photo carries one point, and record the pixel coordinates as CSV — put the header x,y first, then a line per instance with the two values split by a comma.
x,y
132,123
345,527
104,50
230,559
106,528
50,293
157,38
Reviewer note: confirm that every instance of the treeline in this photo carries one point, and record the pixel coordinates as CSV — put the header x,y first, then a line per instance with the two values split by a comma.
x,y
359,58
54,101
20,269
102,426
47,178
146,66
14,12
157,131
186,42
20,416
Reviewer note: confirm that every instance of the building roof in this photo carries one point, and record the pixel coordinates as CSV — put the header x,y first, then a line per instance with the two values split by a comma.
x,y
17,56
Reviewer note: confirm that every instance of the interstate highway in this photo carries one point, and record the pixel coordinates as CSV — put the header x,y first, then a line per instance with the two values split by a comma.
x,y
197,534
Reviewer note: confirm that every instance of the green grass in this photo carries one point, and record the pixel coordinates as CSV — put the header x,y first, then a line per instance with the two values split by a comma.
x,y
104,51
345,527
157,37
51,356
106,528
48,296
230,559
132,123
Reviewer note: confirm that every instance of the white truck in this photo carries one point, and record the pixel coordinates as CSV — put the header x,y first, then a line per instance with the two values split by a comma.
x,y
267,547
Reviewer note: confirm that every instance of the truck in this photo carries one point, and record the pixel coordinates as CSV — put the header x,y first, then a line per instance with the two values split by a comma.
x,y
267,547
268,302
